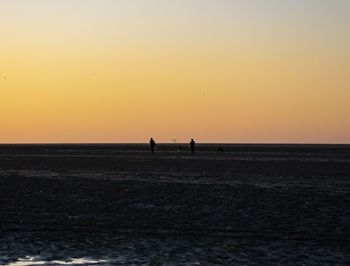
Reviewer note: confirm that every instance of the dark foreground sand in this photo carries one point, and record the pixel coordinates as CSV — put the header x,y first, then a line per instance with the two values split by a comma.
x,y
118,204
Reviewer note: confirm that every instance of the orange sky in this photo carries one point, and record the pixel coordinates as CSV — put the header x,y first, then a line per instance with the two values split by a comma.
x,y
217,71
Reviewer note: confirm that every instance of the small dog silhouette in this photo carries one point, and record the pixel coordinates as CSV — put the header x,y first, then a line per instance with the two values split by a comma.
x,y
220,149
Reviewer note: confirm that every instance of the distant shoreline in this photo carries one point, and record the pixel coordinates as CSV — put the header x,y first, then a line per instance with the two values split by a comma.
x,y
173,144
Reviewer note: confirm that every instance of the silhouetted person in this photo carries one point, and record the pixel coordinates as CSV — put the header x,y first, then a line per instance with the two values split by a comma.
x,y
153,144
192,144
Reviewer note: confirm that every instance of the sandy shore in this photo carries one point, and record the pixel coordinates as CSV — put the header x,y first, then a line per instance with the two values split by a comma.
x,y
118,204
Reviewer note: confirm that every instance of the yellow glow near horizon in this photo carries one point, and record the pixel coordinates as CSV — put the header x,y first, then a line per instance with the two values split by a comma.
x,y
218,71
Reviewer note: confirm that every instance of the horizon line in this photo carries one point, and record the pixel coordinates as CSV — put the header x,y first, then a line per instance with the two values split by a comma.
x,y
171,143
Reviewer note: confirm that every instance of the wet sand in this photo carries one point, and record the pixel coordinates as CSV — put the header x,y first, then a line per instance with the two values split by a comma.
x,y
118,204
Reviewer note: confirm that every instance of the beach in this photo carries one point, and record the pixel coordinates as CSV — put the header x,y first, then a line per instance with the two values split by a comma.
x,y
117,204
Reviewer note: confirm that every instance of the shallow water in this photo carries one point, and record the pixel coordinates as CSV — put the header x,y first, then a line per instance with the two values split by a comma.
x,y
173,250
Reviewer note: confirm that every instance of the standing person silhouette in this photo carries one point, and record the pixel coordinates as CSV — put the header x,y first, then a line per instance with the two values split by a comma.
x,y
153,144
192,144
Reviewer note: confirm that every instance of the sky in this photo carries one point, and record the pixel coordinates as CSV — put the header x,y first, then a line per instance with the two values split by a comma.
x,y
231,71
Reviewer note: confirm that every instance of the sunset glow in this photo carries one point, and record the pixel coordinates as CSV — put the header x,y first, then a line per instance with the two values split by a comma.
x,y
215,70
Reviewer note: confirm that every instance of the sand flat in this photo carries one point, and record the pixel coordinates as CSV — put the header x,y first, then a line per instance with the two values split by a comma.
x,y
118,204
